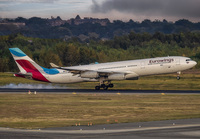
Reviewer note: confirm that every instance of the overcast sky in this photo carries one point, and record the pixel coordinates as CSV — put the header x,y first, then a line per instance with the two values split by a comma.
x,y
137,10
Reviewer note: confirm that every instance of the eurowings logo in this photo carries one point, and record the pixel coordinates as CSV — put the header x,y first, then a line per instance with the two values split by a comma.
x,y
161,61
27,65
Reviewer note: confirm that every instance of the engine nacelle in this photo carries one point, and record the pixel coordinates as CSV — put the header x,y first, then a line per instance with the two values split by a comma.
x,y
89,74
117,76
131,76
121,76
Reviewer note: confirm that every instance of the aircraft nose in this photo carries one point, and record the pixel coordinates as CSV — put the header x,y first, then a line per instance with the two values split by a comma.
x,y
194,62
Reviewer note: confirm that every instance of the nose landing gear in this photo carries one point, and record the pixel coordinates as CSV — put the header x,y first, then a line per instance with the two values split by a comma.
x,y
178,75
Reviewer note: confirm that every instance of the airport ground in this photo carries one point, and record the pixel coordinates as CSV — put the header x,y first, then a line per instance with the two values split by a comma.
x,y
170,100
121,115
21,110
179,129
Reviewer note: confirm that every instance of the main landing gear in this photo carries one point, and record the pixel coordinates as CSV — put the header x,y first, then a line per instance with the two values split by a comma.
x,y
104,85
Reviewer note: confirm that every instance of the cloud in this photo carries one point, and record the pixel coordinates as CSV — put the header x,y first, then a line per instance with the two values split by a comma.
x,y
42,1
42,8
29,1
167,8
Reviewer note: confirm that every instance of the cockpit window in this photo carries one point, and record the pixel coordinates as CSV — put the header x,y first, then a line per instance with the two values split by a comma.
x,y
188,59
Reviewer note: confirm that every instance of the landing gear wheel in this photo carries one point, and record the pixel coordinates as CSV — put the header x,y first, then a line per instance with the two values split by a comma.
x,y
178,77
105,88
97,87
110,85
104,84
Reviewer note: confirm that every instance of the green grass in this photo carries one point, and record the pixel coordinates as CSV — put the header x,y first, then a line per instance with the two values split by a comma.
x,y
7,78
57,110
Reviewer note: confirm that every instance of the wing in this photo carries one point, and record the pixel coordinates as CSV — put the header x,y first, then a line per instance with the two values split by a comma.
x,y
95,74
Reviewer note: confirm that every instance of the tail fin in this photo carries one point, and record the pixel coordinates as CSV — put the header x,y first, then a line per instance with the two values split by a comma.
x,y
27,66
24,63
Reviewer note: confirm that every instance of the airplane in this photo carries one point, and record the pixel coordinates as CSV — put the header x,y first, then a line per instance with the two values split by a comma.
x,y
103,73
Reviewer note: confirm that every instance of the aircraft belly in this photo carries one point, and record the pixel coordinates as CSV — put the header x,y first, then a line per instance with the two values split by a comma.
x,y
156,69
64,78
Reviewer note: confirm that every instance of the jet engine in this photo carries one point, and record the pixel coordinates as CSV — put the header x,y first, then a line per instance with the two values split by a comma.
x,y
117,76
122,76
89,74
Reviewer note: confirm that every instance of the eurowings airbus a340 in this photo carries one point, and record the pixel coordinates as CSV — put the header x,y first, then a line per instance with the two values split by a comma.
x,y
103,73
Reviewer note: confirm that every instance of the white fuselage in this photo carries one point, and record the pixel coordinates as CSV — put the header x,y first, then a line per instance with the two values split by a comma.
x,y
143,67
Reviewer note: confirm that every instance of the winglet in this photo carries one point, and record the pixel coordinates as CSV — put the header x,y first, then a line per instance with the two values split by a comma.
x,y
54,65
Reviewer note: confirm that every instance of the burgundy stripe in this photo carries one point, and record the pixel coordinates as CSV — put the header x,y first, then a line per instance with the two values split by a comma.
x,y
28,67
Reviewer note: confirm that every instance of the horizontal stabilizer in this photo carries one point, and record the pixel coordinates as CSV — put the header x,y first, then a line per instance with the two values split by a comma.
x,y
26,75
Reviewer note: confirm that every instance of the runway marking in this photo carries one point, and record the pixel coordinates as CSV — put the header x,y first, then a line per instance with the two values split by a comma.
x,y
103,131
191,133
88,91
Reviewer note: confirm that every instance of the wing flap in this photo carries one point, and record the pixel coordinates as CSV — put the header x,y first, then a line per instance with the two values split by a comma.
x,y
99,72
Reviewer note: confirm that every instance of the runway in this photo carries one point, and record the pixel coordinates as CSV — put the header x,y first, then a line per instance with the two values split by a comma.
x,y
25,90
186,128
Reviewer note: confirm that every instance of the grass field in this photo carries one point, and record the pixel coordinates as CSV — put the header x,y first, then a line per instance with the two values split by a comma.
x,y
58,110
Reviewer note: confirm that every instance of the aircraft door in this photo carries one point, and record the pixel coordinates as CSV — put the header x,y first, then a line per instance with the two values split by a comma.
x,y
142,65
177,61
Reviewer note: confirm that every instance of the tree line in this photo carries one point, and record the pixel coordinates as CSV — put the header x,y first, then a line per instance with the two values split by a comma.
x,y
75,52
41,28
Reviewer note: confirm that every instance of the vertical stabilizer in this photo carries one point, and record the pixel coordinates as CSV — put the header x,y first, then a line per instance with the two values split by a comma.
x,y
24,63
27,66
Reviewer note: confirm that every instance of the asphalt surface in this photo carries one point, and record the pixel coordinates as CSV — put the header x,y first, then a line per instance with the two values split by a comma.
x,y
14,90
179,129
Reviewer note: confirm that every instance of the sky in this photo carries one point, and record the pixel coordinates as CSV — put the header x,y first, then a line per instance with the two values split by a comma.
x,y
137,10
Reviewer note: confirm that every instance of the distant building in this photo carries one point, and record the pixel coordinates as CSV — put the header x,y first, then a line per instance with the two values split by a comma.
x,y
77,20
56,21
78,17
